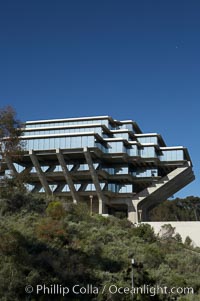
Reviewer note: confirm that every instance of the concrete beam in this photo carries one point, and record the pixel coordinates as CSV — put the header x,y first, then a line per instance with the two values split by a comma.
x,y
67,176
95,180
40,173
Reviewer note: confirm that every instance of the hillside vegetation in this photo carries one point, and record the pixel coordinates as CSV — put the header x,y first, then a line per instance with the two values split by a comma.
x,y
187,209
44,243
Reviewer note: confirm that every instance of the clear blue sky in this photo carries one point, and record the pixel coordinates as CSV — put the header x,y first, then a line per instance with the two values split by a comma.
x,y
129,59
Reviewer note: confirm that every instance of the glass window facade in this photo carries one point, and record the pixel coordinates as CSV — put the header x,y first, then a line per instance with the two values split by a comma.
x,y
150,139
127,126
42,132
59,142
118,188
148,152
103,121
116,147
122,170
122,135
133,151
172,155
145,172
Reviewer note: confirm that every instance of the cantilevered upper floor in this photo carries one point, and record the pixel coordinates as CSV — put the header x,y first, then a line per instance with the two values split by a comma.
x,y
101,132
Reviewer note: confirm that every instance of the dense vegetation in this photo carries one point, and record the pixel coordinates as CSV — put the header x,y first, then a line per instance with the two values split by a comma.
x,y
187,209
44,242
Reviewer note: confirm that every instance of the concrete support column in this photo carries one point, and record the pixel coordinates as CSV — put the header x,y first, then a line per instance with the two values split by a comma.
x,y
95,180
132,212
105,208
102,207
40,173
67,176
144,215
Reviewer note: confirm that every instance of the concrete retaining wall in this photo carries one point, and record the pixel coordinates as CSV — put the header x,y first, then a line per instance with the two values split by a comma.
x,y
191,229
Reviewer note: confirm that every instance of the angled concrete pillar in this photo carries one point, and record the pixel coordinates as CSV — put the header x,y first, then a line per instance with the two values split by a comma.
x,y
67,176
36,188
10,165
40,173
95,180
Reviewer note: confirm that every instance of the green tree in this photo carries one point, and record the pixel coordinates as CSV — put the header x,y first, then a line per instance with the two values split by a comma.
x,y
187,209
11,149
188,241
10,132
55,210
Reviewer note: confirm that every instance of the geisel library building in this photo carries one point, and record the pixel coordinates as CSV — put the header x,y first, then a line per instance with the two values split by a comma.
x,y
107,163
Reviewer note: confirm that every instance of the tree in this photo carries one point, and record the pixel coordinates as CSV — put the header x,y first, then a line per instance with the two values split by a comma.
x,y
187,209
10,132
167,231
11,147
188,241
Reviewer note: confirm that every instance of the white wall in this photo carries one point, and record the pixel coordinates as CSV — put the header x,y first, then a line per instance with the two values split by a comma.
x,y
191,229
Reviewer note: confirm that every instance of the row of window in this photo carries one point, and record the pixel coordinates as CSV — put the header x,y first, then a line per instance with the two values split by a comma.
x,y
62,142
117,170
112,170
122,135
116,147
97,130
153,140
81,122
91,187
113,147
142,173
148,152
172,155
127,126
118,188
150,172
66,123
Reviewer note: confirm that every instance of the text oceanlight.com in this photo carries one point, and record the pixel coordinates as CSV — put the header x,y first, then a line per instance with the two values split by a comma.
x,y
58,289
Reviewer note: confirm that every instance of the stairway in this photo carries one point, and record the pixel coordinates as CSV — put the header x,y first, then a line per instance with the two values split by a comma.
x,y
165,187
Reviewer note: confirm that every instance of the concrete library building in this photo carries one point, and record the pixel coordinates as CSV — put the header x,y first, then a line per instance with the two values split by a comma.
x,y
109,164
